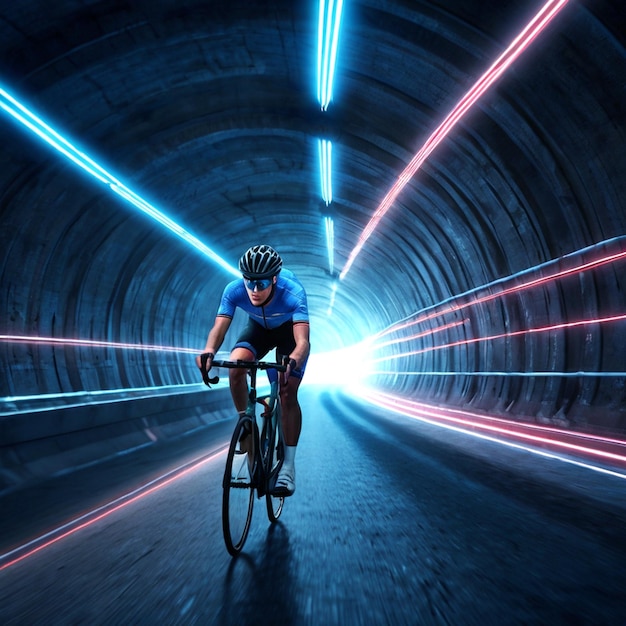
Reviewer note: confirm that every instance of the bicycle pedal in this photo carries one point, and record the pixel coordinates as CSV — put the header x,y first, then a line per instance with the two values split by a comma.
x,y
240,484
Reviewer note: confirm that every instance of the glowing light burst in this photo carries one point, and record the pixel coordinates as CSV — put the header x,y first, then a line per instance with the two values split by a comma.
x,y
347,368
36,125
519,44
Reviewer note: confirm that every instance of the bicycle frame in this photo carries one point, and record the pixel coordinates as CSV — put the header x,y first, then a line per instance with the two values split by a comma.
x,y
266,452
271,429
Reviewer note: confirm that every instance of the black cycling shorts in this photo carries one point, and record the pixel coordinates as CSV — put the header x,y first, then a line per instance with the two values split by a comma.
x,y
260,341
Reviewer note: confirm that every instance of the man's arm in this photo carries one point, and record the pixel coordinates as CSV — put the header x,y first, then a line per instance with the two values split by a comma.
x,y
301,337
216,338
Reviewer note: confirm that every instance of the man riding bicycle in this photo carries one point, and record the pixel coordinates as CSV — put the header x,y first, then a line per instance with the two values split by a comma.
x,y
276,304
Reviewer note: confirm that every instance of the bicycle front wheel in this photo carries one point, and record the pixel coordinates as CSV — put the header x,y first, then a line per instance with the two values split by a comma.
x,y
238,495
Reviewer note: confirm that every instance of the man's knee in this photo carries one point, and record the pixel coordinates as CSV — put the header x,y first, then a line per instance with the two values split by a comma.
x,y
241,354
237,375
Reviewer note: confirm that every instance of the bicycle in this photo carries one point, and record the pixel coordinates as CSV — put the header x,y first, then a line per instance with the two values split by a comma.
x,y
254,457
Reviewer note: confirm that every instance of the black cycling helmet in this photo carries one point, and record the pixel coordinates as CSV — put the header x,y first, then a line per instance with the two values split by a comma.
x,y
260,262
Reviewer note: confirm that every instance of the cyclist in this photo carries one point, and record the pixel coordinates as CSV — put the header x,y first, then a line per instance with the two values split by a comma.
x,y
276,304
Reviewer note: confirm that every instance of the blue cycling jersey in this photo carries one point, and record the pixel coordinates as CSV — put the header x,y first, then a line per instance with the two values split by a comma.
x,y
287,304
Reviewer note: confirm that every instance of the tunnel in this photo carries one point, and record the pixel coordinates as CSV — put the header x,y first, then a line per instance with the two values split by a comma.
x,y
454,210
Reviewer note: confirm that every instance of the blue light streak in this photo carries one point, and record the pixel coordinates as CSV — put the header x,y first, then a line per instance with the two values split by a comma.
x,y
330,244
325,149
19,405
36,125
327,41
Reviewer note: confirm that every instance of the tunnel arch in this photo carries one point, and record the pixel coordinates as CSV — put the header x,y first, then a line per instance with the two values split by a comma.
x,y
209,110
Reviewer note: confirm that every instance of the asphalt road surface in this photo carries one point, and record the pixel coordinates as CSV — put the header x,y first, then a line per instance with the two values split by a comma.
x,y
393,522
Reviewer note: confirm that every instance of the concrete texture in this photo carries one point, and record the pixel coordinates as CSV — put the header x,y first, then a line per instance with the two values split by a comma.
x,y
208,110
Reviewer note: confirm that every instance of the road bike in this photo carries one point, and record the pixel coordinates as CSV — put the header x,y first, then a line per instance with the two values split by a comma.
x,y
255,455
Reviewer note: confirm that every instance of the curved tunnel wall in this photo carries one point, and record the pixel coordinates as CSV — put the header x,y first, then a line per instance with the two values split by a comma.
x,y
213,117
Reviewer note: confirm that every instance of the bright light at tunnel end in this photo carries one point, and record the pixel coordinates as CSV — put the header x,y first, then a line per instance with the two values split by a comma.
x,y
348,368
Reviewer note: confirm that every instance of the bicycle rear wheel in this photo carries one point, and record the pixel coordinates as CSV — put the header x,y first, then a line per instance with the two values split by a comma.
x,y
238,494
272,461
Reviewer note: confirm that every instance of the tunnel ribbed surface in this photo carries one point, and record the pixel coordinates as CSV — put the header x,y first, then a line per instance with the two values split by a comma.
x,y
208,110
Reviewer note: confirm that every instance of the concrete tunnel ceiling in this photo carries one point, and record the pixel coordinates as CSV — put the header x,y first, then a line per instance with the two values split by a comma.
x,y
209,110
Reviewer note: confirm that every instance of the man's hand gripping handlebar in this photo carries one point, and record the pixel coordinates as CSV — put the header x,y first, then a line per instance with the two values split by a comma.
x,y
263,365
204,357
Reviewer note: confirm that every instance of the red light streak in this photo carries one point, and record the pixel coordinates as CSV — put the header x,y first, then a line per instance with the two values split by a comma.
x,y
519,44
600,320
84,521
407,403
612,258
604,448
92,343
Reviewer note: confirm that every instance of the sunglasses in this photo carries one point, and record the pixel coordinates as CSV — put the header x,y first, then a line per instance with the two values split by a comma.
x,y
260,284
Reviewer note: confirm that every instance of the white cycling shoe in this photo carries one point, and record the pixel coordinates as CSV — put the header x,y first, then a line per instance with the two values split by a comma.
x,y
285,482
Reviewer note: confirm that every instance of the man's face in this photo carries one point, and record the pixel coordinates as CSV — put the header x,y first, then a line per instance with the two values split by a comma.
x,y
258,290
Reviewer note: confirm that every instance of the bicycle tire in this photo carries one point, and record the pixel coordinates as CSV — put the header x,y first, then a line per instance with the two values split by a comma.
x,y
272,461
238,492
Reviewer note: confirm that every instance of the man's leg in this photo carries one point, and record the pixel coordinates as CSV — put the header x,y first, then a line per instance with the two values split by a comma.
x,y
238,379
292,425
292,413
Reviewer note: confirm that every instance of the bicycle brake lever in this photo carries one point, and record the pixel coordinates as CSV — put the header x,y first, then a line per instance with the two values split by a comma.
x,y
209,381
205,375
